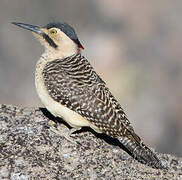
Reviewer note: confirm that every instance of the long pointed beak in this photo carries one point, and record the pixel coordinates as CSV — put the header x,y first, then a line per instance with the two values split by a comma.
x,y
29,27
37,30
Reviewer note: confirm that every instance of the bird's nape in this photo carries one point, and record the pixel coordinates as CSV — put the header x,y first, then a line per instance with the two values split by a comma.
x,y
67,29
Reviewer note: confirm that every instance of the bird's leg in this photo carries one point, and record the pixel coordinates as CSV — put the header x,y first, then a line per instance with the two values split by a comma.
x,y
65,132
72,130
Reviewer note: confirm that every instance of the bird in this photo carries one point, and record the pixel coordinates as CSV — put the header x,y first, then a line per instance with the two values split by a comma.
x,y
69,88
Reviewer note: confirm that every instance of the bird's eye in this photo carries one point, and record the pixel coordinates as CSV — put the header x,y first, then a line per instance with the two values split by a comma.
x,y
53,31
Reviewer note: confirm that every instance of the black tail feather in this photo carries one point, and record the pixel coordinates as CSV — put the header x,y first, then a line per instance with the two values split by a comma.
x,y
141,152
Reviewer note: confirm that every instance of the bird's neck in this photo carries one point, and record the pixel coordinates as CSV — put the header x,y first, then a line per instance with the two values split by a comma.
x,y
52,54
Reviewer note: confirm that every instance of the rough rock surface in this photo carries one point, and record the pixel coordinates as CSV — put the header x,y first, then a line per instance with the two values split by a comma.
x,y
31,149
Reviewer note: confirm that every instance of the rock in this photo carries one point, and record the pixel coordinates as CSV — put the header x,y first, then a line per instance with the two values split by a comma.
x,y
30,148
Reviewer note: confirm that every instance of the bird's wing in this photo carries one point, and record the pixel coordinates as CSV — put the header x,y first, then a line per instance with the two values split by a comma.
x,y
75,84
106,113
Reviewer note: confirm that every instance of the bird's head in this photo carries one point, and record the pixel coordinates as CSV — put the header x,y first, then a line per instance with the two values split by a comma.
x,y
59,39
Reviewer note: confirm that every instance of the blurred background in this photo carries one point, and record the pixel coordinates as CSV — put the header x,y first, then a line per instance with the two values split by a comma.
x,y
135,46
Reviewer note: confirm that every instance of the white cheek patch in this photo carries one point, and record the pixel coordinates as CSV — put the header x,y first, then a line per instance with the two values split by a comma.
x,y
65,46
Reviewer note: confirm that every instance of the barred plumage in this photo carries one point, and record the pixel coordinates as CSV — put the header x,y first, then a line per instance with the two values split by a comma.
x,y
69,88
74,83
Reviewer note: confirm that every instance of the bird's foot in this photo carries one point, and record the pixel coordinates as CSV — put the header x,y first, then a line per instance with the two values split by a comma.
x,y
66,133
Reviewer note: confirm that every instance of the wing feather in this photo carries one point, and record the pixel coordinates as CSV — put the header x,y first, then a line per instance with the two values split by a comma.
x,y
75,84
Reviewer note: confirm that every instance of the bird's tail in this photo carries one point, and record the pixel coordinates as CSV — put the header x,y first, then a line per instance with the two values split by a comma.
x,y
140,151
